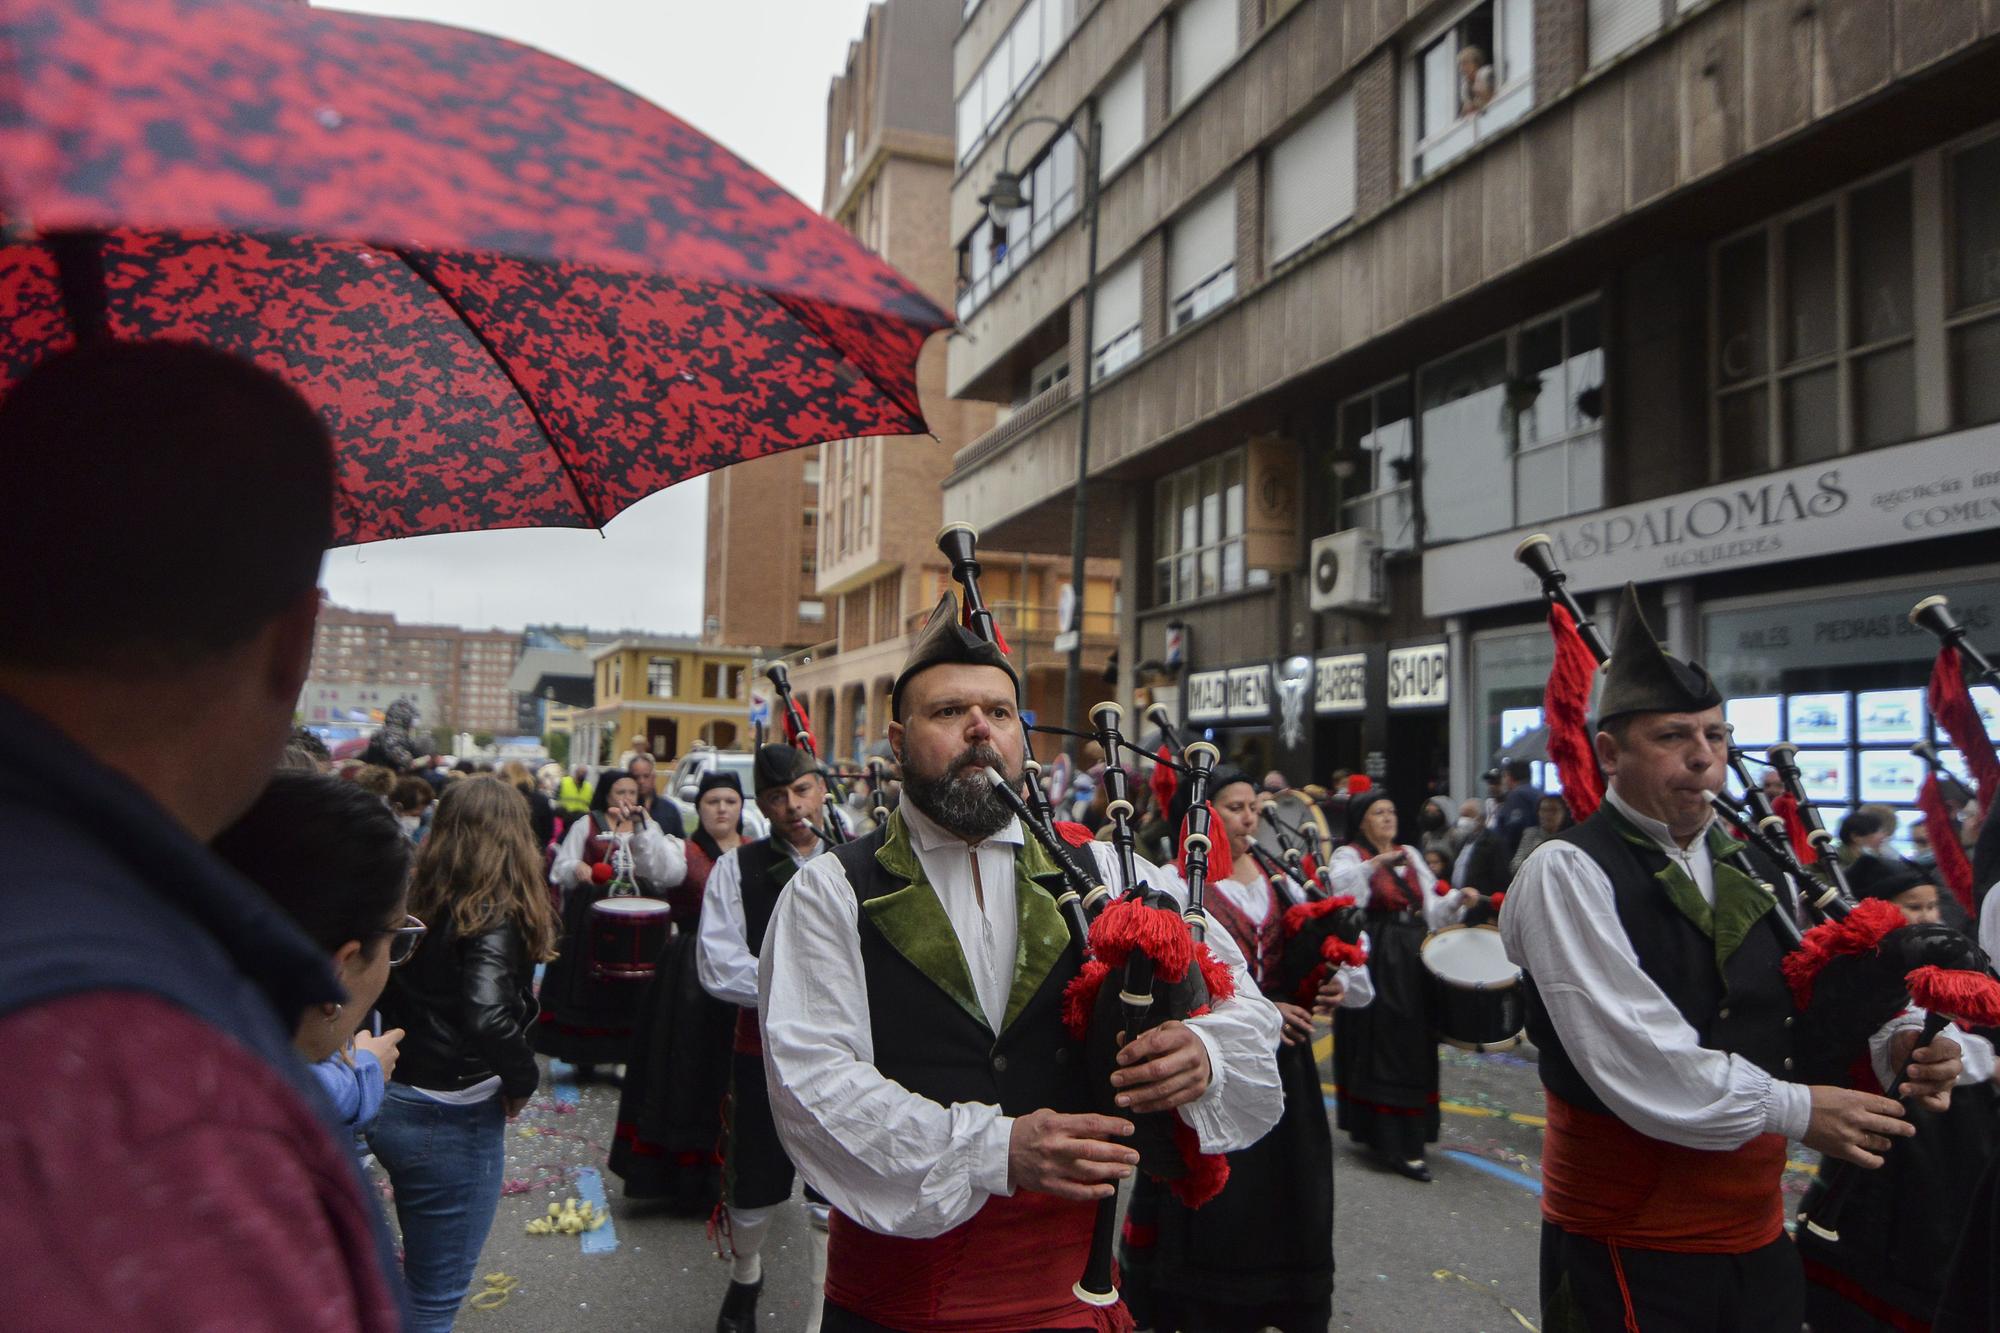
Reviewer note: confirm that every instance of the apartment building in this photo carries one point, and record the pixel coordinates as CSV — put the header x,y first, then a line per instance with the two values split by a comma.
x,y
889,169
1707,289
465,671
672,693
763,552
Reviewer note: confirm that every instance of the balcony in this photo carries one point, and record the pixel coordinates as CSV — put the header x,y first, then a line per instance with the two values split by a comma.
x,y
1022,420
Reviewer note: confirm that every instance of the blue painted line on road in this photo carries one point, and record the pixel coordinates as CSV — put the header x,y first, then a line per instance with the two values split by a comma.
x,y
590,1189
1496,1170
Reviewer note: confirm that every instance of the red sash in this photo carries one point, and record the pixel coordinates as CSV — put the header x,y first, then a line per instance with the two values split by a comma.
x,y
1010,1267
1605,1180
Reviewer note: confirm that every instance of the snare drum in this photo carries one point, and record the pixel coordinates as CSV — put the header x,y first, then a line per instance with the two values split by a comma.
x,y
626,938
1476,989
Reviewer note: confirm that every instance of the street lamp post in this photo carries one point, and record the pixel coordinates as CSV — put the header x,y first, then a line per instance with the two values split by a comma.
x,y
1006,195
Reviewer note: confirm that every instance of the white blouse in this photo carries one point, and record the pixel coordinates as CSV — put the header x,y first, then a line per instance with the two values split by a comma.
x,y
1351,875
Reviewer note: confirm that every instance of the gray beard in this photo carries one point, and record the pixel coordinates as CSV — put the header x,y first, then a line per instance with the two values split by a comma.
x,y
965,804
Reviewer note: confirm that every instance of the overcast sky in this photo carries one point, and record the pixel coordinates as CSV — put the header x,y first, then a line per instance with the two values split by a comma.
x,y
751,74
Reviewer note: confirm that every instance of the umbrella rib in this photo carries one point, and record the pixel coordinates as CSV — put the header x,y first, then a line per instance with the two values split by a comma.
x,y
520,390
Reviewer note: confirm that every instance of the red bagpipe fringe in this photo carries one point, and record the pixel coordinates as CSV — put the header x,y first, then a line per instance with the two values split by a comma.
x,y
1165,780
1786,807
1334,952
1970,998
1299,914
1951,704
1073,833
1124,925
1565,710
1952,867
1863,929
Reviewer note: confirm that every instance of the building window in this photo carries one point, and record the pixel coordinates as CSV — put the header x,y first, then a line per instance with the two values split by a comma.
x,y
1616,26
1028,45
811,472
1973,323
618,676
1118,337
1377,462
660,676
1201,257
812,612
1198,531
1121,116
1204,42
995,251
720,680
1471,78
1815,352
1048,372
1309,179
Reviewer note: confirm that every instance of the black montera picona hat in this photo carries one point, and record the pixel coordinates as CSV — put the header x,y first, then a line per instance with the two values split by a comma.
x,y
1643,677
946,640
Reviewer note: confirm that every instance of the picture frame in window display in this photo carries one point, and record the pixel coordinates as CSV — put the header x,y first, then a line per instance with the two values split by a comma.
x,y
1890,777
1816,719
1516,723
1987,700
1758,720
1888,717
1826,775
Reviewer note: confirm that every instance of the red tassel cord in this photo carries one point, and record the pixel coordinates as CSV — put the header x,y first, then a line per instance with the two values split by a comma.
x,y
1073,833
1952,867
1206,1174
799,725
1863,929
999,639
1971,999
1951,704
1565,710
1214,825
1785,807
1165,780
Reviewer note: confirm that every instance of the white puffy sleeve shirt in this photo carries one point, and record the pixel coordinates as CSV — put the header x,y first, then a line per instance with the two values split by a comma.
x,y
1351,875
656,854
899,1163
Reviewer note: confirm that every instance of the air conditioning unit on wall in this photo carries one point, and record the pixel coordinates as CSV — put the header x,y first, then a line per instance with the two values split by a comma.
x,y
1345,572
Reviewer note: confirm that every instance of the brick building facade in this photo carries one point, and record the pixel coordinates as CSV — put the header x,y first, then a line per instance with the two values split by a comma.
x,y
465,670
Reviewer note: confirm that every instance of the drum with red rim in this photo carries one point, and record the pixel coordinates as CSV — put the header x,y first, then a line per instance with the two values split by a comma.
x,y
627,936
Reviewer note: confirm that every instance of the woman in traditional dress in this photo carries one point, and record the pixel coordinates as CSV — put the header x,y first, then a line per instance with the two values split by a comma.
x,y
1385,1057
585,1020
1260,1254
669,1114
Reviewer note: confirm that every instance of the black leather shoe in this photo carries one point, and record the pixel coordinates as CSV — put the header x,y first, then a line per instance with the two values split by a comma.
x,y
739,1308
1414,1170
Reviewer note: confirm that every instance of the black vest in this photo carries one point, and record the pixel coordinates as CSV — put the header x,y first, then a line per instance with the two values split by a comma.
x,y
926,1041
755,864
1743,1008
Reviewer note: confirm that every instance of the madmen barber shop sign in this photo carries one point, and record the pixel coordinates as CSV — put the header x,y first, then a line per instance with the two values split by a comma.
x,y
1340,684
1931,488
1240,694
1420,677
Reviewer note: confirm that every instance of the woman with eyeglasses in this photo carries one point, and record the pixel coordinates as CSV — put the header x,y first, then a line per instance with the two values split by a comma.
x,y
336,859
466,1001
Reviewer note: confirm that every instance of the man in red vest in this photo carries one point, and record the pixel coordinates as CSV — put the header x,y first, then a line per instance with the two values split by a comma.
x,y
1664,1026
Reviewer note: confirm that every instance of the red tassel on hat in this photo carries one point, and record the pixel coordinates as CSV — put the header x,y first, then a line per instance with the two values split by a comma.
x,y
1951,704
1952,867
1565,710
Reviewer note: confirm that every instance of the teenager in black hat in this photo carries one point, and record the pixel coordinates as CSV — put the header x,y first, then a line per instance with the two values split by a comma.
x,y
1664,1028
743,891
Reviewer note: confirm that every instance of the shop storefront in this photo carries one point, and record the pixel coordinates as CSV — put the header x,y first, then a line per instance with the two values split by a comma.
x,y
1232,707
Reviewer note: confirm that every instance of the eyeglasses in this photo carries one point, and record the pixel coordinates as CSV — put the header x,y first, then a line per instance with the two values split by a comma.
x,y
403,939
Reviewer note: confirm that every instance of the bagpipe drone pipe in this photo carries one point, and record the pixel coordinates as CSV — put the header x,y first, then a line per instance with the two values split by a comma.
x,y
1863,963
1321,934
798,732
1144,962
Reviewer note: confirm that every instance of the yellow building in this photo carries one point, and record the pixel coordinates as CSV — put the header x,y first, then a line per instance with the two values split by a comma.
x,y
675,693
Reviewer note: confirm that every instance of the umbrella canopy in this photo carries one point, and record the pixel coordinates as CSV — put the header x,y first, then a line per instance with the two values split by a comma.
x,y
519,294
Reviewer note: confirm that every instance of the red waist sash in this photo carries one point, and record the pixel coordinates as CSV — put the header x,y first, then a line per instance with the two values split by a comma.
x,y
1605,1180
1010,1267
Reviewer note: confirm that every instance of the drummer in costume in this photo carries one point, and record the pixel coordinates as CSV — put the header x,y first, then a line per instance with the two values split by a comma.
x,y
744,889
588,1020
921,1072
669,1114
1385,1059
1260,1254
1663,1024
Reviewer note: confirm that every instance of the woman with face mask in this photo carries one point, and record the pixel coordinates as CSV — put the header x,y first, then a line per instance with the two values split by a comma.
x,y
677,1073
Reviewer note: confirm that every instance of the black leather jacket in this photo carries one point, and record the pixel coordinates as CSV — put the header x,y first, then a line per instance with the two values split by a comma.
x,y
465,1005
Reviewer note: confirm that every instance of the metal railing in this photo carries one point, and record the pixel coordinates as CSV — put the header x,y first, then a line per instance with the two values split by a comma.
x,y
1024,419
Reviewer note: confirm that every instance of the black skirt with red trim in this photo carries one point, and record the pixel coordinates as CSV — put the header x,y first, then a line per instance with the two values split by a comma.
x,y
1385,1057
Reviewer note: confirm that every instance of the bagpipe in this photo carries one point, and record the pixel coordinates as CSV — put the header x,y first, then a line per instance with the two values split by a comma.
x,y
1320,934
1861,964
798,732
1132,935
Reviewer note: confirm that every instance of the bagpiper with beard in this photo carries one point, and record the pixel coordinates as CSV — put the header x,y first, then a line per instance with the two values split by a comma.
x,y
920,1072
1664,1028
744,889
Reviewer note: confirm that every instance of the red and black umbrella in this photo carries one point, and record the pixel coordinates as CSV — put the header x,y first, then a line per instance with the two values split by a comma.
x,y
519,294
